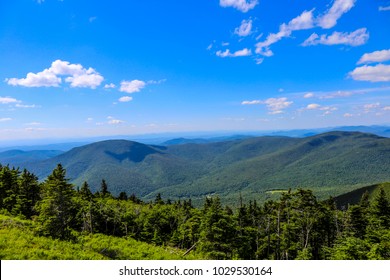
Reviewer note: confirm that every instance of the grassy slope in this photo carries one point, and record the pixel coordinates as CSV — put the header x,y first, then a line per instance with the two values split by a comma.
x,y
18,242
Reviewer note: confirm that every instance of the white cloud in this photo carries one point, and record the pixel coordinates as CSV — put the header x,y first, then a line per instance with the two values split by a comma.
x,y
355,38
274,105
227,53
348,115
244,29
5,119
313,106
259,60
377,56
79,76
92,19
382,9
301,22
377,73
253,102
241,5
107,86
112,120
307,21
369,107
386,108
89,80
339,7
156,82
328,109
8,100
132,86
46,78
308,95
125,99
25,106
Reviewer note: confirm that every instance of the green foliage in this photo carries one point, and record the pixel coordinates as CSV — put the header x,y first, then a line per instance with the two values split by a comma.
x,y
54,221
57,209
330,164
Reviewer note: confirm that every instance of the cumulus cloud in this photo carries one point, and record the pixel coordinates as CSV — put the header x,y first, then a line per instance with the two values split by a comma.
x,y
46,78
313,106
330,18
377,73
348,115
8,100
301,22
274,105
227,53
355,38
241,5
78,76
132,86
307,21
377,56
308,95
244,29
5,119
125,99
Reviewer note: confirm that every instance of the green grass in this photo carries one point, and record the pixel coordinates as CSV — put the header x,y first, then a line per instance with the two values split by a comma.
x,y
19,242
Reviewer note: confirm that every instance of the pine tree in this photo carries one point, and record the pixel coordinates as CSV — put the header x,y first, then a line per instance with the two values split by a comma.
x,y
217,231
104,189
28,195
381,208
57,209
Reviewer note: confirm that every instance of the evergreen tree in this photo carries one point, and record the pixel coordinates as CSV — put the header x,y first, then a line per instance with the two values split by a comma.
x,y
381,208
217,231
57,209
9,188
104,189
28,195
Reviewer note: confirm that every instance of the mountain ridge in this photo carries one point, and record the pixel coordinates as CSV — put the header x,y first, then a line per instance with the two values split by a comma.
x,y
330,163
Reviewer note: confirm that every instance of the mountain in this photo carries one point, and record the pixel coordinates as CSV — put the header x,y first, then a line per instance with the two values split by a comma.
x,y
354,197
20,158
258,167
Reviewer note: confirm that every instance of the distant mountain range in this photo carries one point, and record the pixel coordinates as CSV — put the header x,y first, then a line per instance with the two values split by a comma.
x,y
166,139
331,163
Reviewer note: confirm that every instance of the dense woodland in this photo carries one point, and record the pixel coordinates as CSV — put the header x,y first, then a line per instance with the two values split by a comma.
x,y
296,226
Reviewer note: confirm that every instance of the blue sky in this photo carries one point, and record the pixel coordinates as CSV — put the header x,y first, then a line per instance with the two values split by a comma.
x,y
73,69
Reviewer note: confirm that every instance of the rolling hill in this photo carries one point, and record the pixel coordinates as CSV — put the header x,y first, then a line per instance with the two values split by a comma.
x,y
331,163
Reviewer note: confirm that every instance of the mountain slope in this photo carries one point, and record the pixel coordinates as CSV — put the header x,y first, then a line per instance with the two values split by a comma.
x,y
331,164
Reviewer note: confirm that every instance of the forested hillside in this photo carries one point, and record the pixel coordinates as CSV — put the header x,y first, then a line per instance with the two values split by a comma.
x,y
329,164
57,220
